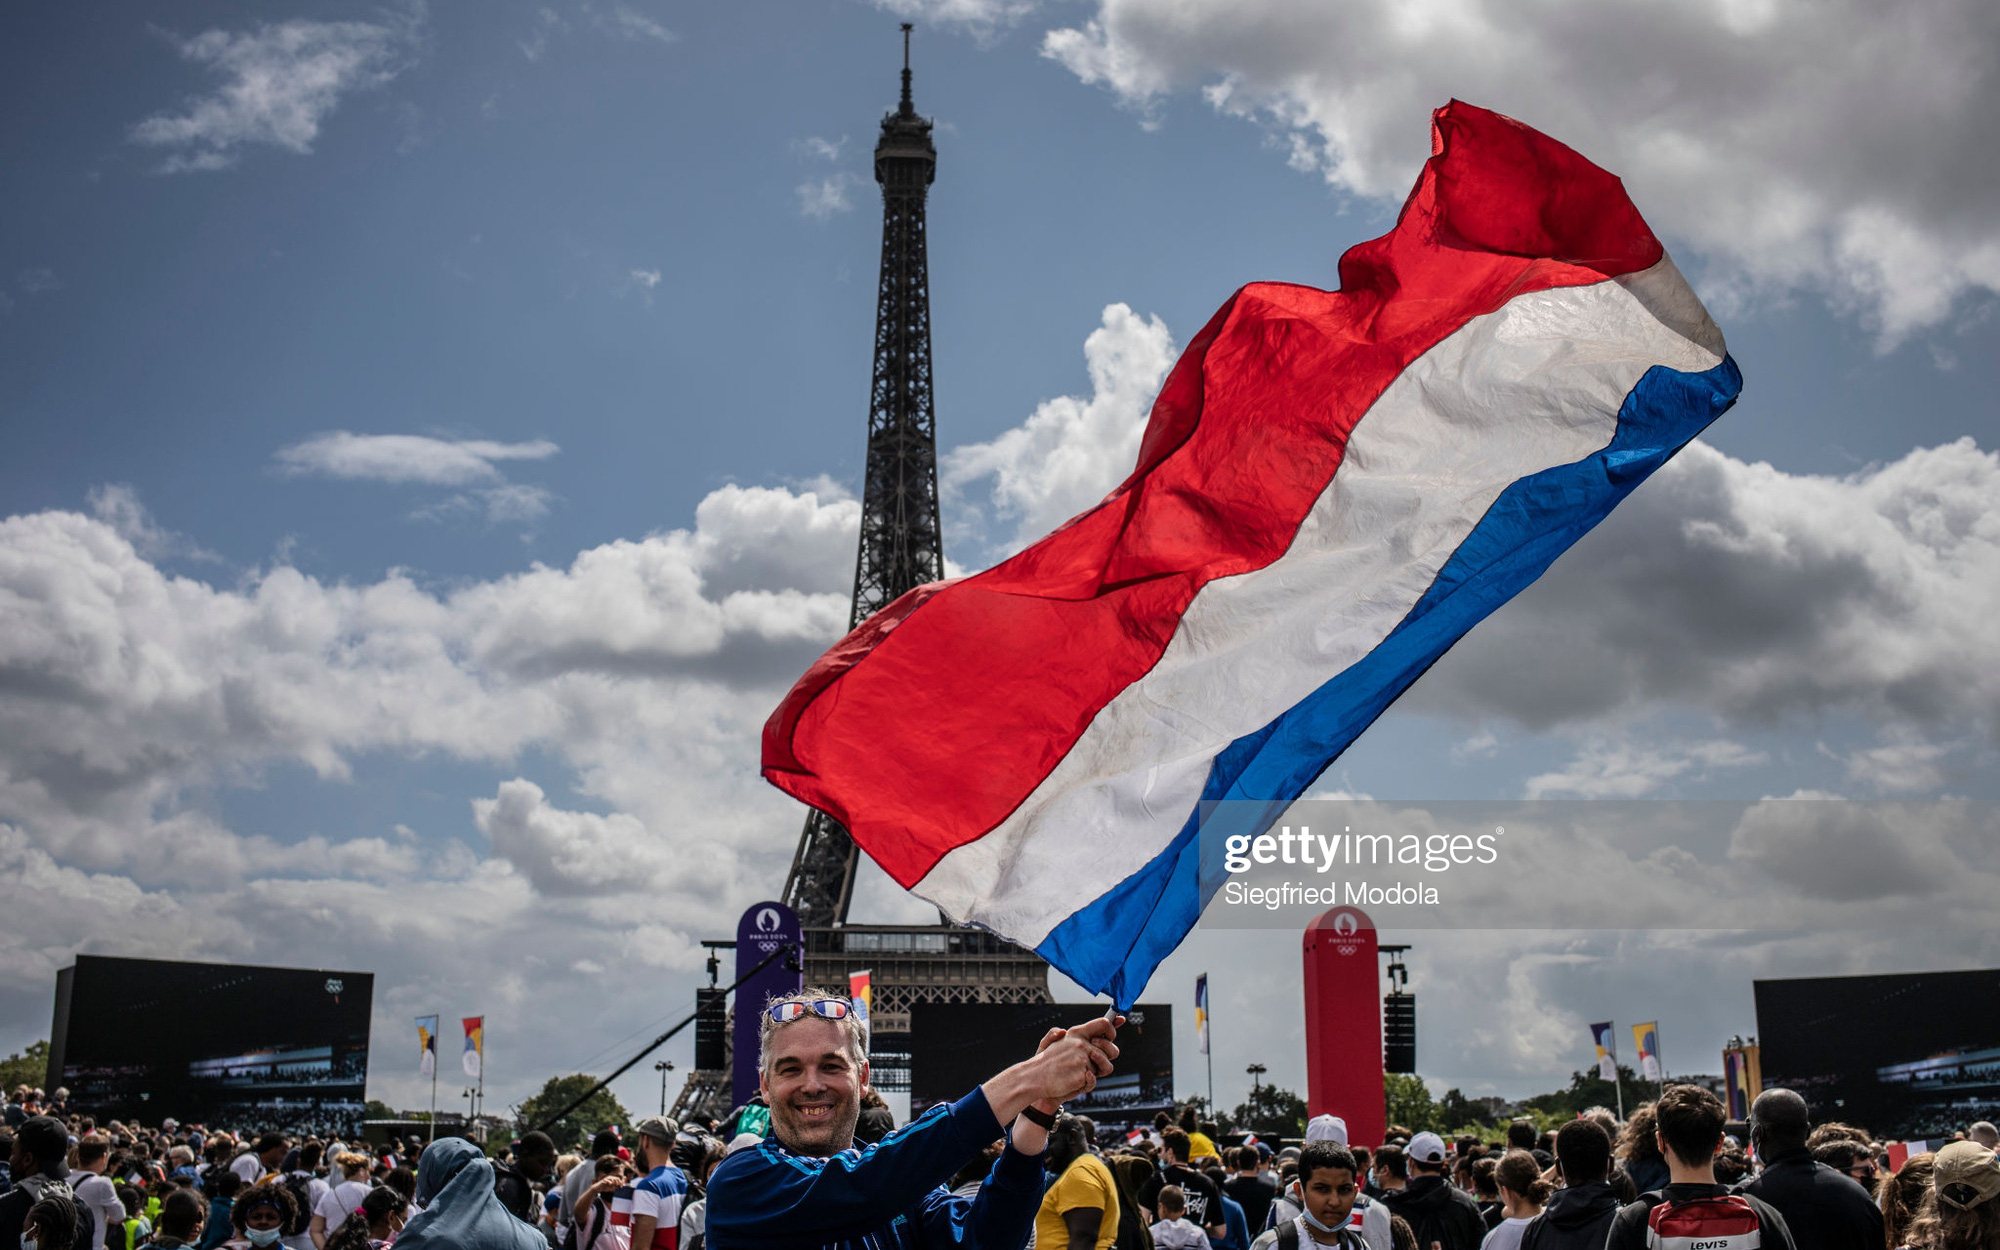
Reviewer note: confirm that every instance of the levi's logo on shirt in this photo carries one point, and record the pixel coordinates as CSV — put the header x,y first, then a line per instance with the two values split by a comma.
x,y
1726,1222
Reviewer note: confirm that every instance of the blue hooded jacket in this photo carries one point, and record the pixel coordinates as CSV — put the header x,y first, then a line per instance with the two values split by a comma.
x,y
461,1211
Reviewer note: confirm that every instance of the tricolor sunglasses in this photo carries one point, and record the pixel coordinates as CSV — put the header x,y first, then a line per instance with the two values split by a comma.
x,y
824,1008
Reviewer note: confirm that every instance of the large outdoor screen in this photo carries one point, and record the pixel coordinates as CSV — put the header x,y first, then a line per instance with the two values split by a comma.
x,y
1908,1056
221,1044
956,1046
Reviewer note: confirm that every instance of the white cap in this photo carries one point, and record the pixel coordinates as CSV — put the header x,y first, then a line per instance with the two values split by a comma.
x,y
743,1141
1327,1128
1426,1148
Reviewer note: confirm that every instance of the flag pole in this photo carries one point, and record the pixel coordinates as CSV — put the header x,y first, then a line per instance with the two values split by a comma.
x,y
1208,1046
479,1099
1617,1073
434,1087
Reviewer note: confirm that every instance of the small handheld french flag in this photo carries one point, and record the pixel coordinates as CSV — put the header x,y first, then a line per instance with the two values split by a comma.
x,y
1333,487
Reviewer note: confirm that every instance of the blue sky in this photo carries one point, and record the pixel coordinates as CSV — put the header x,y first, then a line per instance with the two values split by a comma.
x,y
476,706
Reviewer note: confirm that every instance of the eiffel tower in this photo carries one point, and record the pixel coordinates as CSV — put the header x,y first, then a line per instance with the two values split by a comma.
x,y
901,548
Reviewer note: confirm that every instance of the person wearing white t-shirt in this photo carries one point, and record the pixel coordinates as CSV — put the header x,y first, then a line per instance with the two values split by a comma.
x,y
93,1188
1522,1193
260,1161
342,1199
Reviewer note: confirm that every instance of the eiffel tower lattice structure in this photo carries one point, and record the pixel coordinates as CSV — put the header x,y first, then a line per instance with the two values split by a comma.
x,y
901,548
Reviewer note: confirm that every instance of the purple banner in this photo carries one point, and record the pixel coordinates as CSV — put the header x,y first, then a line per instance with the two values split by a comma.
x,y
765,928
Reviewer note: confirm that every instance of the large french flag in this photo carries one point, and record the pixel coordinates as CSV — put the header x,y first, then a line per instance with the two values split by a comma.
x,y
1332,489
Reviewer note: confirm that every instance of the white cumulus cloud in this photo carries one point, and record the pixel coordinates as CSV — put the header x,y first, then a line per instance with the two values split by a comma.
x,y
125,692
1072,450
1816,145
1764,599
407,457
821,198
280,81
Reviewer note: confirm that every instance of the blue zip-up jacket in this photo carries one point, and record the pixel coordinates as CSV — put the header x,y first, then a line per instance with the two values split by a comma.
x,y
888,1196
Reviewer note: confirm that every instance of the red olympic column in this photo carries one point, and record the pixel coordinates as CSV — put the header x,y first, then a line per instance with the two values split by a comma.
x,y
1344,1024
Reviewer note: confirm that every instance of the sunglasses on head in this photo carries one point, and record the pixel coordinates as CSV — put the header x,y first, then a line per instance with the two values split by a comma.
x,y
824,1008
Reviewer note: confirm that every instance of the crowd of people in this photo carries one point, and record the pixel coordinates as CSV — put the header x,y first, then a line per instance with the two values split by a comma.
x,y
1670,1176
817,1160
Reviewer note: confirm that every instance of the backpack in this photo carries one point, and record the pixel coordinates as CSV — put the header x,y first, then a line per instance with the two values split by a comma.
x,y
756,1118
300,1219
1724,1222
37,1188
1288,1235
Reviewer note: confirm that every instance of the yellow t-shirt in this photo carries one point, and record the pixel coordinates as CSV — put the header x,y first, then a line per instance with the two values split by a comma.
x,y
1199,1145
1085,1183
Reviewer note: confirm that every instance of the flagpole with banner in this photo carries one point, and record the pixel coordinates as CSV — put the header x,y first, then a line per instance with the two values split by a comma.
x,y
1201,1032
474,1059
1647,1038
1607,1062
427,1027
861,993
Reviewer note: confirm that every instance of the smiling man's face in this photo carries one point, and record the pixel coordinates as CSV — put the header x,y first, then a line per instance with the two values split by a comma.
x,y
814,1087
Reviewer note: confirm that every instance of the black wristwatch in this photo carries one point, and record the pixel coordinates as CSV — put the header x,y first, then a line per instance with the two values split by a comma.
x,y
1035,1115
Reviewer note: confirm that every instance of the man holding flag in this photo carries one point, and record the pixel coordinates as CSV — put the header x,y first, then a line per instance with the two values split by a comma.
x,y
809,1185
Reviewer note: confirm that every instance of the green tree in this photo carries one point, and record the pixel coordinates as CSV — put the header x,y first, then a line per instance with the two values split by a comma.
x,y
1271,1112
1456,1108
375,1109
1587,1090
1409,1102
30,1067
574,1130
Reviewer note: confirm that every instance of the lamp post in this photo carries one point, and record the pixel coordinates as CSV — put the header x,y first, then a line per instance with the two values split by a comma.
x,y
1256,1071
663,1067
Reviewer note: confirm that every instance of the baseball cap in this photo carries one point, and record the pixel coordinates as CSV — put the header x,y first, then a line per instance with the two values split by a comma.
x,y
1965,1175
743,1141
659,1128
1327,1128
1426,1148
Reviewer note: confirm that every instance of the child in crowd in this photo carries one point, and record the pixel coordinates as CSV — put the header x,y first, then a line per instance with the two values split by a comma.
x,y
1174,1231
